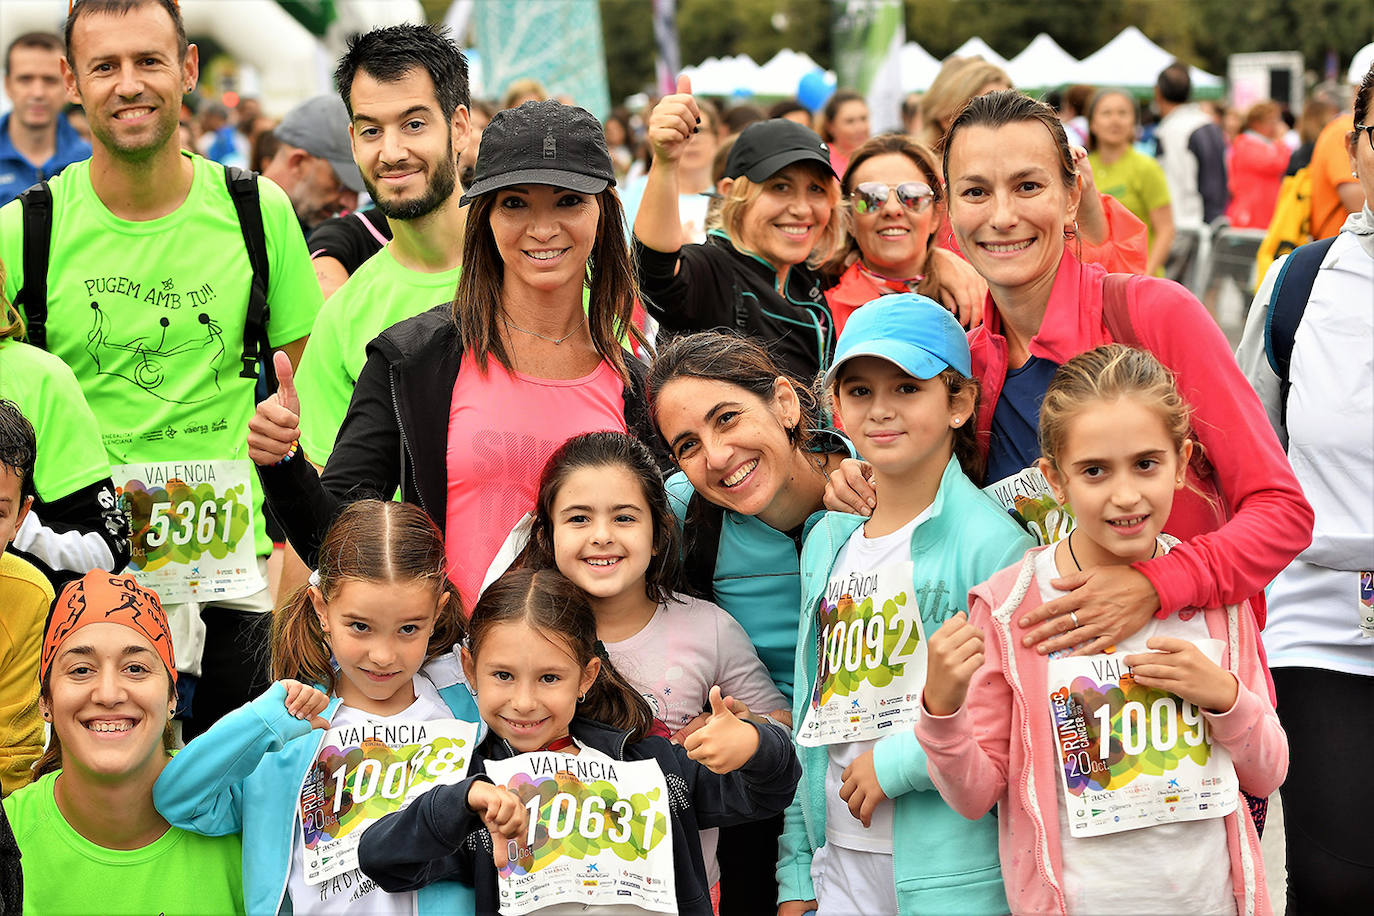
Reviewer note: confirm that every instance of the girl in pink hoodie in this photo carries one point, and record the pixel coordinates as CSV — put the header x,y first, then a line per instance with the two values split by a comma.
x,y
1117,775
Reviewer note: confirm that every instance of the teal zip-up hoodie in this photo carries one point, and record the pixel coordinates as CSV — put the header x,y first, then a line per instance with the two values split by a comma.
x,y
942,862
245,774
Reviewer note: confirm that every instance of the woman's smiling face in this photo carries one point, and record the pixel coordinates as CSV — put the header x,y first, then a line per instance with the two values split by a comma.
x,y
1008,204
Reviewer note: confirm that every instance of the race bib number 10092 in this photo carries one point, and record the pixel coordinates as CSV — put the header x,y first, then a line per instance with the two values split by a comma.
x,y
599,833
870,658
1132,756
192,527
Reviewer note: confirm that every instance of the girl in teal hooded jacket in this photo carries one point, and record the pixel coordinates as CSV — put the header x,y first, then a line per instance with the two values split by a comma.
x,y
871,589
376,633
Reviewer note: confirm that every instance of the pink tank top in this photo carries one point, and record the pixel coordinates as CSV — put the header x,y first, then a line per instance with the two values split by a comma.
x,y
502,428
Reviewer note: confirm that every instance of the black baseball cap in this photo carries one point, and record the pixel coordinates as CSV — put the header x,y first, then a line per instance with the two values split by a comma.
x,y
542,143
765,148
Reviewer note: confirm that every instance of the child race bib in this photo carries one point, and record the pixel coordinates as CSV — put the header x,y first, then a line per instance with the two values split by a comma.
x,y
1027,497
1367,604
1133,756
599,833
365,771
870,658
192,528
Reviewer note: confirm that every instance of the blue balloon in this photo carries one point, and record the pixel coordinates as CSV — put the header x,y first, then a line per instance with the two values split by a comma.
x,y
815,89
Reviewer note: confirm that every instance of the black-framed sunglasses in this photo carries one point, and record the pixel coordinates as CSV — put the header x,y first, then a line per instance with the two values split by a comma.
x,y
1368,130
915,196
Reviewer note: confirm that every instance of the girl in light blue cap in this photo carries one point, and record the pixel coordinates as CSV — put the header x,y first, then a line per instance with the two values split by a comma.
x,y
872,589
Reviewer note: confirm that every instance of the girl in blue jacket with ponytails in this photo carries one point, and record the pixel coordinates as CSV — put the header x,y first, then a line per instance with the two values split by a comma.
x,y
872,589
376,634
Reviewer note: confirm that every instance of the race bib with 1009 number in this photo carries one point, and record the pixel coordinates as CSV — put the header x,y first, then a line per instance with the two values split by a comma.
x,y
1026,497
1132,756
599,833
870,658
192,528
368,770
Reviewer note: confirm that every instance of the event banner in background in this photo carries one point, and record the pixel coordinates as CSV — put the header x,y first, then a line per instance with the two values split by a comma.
x,y
599,833
867,38
367,770
513,39
192,528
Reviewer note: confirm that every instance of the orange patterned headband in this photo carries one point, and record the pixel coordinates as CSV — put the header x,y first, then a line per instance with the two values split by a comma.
x,y
99,597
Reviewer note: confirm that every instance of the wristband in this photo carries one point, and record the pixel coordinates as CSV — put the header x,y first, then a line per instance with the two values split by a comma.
x,y
290,453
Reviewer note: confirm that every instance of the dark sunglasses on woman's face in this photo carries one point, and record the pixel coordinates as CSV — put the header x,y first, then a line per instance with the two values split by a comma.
x,y
871,195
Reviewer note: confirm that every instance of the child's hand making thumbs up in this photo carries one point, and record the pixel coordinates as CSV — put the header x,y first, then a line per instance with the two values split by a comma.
x,y
725,743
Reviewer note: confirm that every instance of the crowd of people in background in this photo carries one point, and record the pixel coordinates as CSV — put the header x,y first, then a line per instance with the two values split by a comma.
x,y
424,504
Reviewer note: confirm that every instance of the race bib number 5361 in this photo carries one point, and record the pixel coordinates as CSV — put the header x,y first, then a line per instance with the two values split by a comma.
x,y
599,833
192,527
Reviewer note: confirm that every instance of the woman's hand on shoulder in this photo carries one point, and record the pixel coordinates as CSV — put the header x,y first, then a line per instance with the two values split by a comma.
x,y
961,289
1104,605
726,742
306,702
672,122
505,817
797,907
850,488
276,424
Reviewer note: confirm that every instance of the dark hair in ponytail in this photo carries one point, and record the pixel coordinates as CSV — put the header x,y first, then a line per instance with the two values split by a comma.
x,y
546,601
370,541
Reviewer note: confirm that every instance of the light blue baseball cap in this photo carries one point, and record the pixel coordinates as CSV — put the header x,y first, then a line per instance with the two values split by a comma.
x,y
912,331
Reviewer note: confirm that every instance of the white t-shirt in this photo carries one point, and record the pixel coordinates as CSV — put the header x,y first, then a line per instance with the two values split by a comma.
x,y
859,556
1194,864
685,649
354,892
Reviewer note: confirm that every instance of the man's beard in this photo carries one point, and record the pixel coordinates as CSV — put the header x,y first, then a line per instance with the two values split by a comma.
x,y
439,189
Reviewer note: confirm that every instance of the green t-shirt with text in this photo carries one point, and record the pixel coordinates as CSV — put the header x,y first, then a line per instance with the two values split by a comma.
x,y
380,293
70,454
65,873
149,315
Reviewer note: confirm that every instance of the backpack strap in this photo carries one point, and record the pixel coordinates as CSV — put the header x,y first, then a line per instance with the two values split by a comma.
x,y
1116,309
1287,302
701,526
243,190
32,299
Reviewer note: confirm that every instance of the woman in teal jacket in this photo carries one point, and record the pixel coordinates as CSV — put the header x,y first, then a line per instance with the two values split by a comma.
x,y
753,469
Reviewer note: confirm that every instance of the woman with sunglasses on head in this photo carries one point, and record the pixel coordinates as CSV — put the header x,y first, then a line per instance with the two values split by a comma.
x,y
891,210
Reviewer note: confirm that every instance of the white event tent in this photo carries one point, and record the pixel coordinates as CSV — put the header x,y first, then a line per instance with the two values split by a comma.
x,y
1132,61
1042,63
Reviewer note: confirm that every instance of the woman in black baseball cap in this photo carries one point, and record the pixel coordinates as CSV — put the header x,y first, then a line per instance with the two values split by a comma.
x,y
753,272
461,406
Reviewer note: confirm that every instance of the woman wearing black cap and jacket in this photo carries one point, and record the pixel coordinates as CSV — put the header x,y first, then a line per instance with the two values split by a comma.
x,y
460,406
751,274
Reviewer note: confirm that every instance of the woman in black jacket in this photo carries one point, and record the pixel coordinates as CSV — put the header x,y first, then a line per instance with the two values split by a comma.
x,y
459,408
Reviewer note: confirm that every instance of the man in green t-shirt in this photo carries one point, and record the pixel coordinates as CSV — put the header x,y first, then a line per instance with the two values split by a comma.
x,y
147,297
406,89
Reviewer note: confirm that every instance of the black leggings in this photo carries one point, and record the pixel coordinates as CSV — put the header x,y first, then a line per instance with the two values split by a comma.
x,y
1328,803
234,667
748,856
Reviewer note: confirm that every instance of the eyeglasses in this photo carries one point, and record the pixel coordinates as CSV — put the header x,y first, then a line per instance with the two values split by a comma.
x,y
915,196
1368,130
